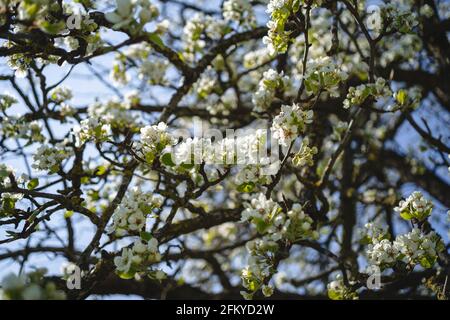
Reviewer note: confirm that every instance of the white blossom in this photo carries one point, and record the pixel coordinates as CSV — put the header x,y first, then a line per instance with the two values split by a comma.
x,y
290,123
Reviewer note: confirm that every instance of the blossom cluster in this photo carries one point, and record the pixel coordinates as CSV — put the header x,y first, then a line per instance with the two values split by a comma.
x,y
127,11
322,74
239,149
29,287
277,38
269,84
136,260
411,248
398,17
49,157
154,139
415,207
246,153
8,199
357,96
114,113
256,58
154,71
416,247
6,101
305,155
150,67
337,290
132,212
240,11
199,28
206,84
275,225
252,175
18,127
409,98
91,129
260,268
269,218
290,123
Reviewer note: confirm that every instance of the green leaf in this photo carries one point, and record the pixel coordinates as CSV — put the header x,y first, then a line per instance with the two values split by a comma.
x,y
246,187
166,159
52,28
261,225
365,240
33,183
68,214
9,205
3,172
401,96
126,275
154,38
145,208
54,168
94,194
147,236
426,262
333,295
187,166
100,170
406,215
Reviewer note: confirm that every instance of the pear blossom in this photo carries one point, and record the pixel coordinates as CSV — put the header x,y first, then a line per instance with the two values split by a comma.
x,y
290,123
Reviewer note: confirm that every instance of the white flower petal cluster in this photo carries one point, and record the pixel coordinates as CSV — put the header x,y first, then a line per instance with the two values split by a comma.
x,y
6,101
132,14
399,16
356,96
8,199
258,173
261,208
18,127
374,230
240,11
194,151
222,105
154,71
411,248
205,85
240,149
305,155
50,157
5,171
416,247
382,253
154,139
256,58
260,266
197,29
415,206
290,123
91,129
337,290
269,219
277,38
405,47
132,212
29,287
136,261
61,94
114,113
271,81
322,74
